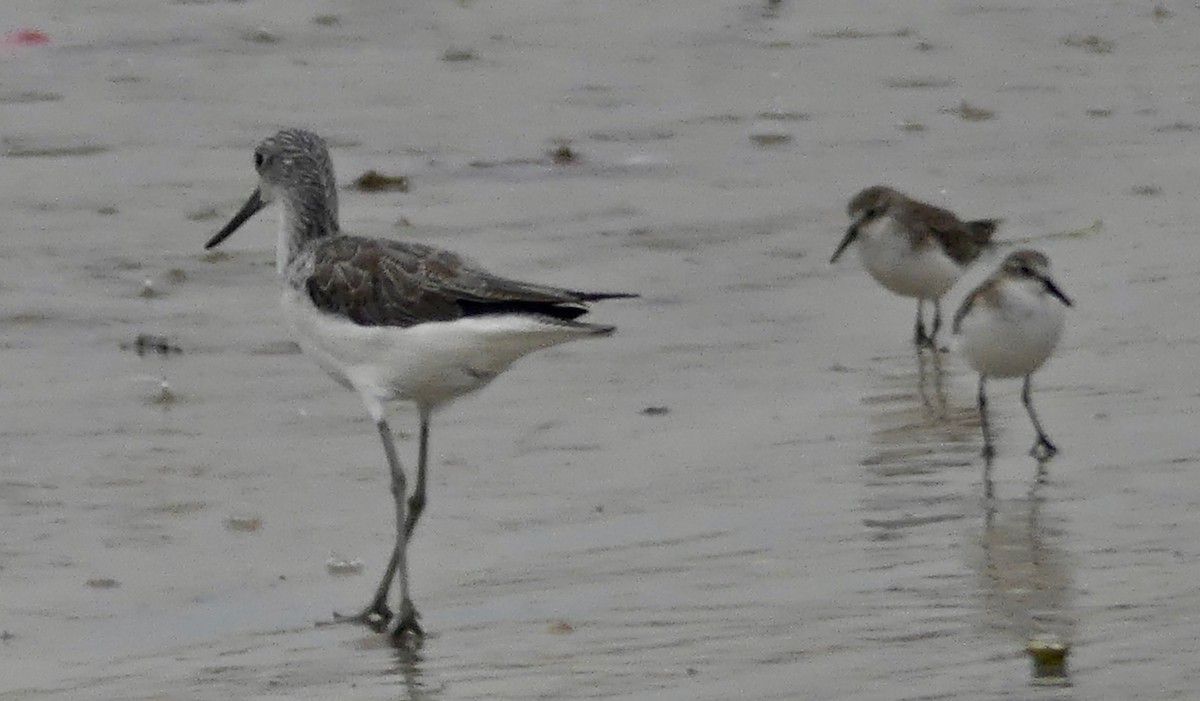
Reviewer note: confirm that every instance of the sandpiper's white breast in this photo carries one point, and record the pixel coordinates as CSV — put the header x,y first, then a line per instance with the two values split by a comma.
x,y
1015,337
886,252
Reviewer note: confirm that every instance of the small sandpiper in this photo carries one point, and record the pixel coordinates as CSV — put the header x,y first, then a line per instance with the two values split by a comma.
x,y
395,321
1010,325
913,249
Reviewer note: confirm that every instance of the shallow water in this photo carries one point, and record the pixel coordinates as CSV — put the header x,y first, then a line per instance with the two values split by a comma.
x,y
809,518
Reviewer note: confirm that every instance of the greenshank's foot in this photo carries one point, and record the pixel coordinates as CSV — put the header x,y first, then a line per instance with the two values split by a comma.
x,y
377,617
404,628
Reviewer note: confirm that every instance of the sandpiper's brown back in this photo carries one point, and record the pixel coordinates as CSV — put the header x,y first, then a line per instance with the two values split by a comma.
x,y
962,241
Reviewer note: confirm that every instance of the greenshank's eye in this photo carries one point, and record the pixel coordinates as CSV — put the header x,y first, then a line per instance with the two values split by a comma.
x,y
258,159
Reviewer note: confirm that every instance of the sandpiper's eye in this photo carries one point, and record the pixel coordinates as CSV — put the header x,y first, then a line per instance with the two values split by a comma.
x,y
258,159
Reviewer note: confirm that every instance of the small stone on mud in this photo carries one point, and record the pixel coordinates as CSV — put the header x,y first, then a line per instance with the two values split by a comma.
x,y
262,35
564,155
455,55
970,113
560,627
146,343
340,567
1049,657
1091,43
243,524
655,411
765,140
103,583
203,214
166,396
781,116
374,181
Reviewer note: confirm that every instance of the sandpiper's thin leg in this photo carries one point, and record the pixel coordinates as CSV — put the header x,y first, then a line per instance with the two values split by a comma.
x,y
988,450
416,503
919,337
1043,449
923,372
989,491
937,323
939,385
922,378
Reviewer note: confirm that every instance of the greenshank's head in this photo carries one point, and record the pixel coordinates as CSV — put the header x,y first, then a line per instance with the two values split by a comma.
x,y
294,168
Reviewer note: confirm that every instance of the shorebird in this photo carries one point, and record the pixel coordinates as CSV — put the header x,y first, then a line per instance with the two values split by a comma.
x,y
395,321
1010,325
913,249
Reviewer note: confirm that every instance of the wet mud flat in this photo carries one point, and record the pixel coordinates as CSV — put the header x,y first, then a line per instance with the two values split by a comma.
x,y
753,490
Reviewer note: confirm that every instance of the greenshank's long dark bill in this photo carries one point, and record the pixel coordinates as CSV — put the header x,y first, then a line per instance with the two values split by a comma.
x,y
395,321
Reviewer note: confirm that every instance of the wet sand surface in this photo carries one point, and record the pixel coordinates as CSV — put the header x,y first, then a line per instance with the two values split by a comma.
x,y
802,512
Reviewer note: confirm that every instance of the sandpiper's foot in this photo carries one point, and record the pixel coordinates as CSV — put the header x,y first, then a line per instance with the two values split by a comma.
x,y
404,628
377,616
988,452
924,341
1043,449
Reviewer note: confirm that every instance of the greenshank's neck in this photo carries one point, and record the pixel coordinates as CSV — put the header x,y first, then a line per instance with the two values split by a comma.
x,y
305,214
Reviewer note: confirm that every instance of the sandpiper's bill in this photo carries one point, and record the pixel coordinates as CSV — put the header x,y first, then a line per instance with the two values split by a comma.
x,y
1010,325
913,249
395,321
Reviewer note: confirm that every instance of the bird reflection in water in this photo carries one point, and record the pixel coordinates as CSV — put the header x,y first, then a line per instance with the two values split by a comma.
x,y
1025,579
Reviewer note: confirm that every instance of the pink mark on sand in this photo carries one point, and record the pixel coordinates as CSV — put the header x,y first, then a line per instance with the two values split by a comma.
x,y
27,37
